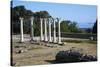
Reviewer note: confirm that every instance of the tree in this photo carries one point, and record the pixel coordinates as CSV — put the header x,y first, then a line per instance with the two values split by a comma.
x,y
65,25
17,12
21,11
73,27
37,16
42,14
69,26
94,30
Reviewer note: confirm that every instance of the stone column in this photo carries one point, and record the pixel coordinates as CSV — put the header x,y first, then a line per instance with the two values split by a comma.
x,y
41,24
32,29
49,30
21,30
45,29
59,33
54,31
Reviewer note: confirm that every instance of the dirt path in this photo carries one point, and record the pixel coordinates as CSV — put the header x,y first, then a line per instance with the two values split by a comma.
x,y
39,54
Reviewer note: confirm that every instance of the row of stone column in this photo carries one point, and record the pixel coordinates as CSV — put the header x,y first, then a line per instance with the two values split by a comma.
x,y
49,21
44,37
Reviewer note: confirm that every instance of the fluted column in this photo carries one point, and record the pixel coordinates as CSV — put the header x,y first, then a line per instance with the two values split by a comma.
x,y
21,30
45,29
41,24
32,29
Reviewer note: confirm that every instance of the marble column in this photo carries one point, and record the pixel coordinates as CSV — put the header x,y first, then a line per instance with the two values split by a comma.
x,y
41,24
45,29
54,31
49,20
59,33
32,28
21,30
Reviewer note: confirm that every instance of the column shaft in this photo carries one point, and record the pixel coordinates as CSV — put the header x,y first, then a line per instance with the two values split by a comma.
x,y
21,30
32,30
50,31
54,32
41,24
59,33
45,29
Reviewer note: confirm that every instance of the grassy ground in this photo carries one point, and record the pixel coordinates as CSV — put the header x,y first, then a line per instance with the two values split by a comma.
x,y
35,54
80,41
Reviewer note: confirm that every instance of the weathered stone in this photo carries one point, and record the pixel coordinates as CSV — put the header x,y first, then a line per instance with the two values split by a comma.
x,y
73,55
21,51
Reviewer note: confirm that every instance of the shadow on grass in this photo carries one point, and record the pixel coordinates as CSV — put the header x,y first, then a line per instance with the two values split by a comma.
x,y
60,62
53,61
80,41
56,62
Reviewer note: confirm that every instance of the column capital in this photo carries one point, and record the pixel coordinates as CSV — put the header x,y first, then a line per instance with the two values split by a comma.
x,y
21,18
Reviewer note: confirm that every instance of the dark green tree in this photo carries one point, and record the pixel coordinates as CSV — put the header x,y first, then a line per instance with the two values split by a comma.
x,y
37,16
21,11
65,26
17,12
69,26
94,30
73,27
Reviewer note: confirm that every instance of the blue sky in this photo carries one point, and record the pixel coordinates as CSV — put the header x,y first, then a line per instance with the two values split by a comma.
x,y
84,15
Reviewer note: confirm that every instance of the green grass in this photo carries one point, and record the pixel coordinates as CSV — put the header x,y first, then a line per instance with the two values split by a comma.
x,y
80,41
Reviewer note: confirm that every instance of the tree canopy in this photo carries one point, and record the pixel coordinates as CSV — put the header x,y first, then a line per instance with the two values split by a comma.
x,y
69,26
21,11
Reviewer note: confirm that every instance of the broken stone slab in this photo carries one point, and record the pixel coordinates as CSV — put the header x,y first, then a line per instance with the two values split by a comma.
x,y
21,51
51,45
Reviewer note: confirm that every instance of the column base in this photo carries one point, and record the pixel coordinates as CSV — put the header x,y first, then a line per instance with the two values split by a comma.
x,y
21,42
54,42
60,43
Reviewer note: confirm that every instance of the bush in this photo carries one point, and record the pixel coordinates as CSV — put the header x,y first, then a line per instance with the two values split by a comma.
x,y
73,55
